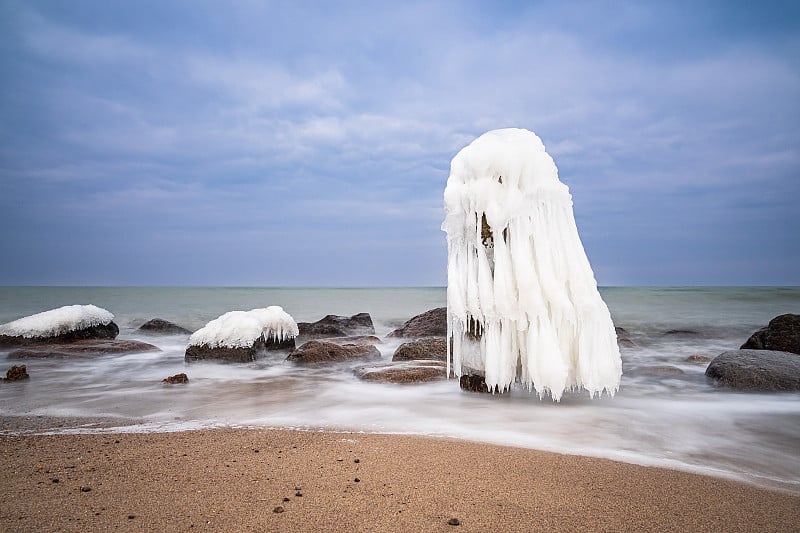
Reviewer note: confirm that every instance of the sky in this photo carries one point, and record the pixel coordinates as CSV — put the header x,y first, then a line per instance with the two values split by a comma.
x,y
308,143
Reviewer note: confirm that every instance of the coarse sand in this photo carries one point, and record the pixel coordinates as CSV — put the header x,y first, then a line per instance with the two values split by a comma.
x,y
283,480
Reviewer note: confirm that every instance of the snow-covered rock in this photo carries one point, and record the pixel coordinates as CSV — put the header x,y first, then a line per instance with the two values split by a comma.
x,y
237,336
65,324
522,301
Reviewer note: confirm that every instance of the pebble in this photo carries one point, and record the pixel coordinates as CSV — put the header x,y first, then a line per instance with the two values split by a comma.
x,y
357,460
298,493
278,509
86,489
357,480
55,480
298,487
287,500
454,522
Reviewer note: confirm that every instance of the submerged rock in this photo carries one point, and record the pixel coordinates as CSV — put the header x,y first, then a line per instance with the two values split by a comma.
x,y
83,348
403,372
756,370
663,371
427,348
338,326
782,334
431,323
320,352
623,337
698,358
17,373
165,327
176,379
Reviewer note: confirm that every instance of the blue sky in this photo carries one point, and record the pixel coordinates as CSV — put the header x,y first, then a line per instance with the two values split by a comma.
x,y
308,143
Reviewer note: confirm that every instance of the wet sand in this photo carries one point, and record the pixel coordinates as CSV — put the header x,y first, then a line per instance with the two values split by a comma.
x,y
233,480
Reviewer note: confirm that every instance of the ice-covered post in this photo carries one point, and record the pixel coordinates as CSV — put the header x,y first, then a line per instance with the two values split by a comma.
x,y
522,301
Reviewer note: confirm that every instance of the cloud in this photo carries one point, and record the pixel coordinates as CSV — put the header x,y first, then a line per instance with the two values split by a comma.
x,y
669,129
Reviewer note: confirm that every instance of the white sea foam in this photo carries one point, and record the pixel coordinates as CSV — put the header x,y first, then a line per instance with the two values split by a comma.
x,y
522,300
57,321
239,329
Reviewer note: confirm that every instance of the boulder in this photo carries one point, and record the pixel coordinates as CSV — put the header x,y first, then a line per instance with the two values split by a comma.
x,y
756,370
320,352
426,348
100,331
782,334
163,327
176,379
235,354
83,348
338,326
403,372
431,323
17,373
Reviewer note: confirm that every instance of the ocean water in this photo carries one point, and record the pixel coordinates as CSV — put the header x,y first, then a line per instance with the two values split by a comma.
x,y
665,413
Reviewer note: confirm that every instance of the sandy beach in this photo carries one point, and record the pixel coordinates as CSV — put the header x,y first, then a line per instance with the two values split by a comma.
x,y
283,480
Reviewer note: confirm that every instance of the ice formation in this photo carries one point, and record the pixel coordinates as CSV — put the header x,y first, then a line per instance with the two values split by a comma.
x,y
57,321
522,301
241,329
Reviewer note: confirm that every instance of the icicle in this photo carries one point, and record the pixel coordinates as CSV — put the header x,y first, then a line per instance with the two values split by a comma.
x,y
522,299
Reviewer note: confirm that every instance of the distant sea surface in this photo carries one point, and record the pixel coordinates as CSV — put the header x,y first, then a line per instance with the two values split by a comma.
x,y
665,413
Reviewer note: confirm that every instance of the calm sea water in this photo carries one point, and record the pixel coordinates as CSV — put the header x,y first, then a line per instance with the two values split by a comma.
x,y
669,417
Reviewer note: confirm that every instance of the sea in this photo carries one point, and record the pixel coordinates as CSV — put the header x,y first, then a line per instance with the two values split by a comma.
x,y
665,414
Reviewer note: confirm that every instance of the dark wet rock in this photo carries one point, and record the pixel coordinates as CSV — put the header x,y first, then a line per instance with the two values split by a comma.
x,y
756,370
83,348
402,372
664,371
160,326
86,489
100,331
473,383
454,522
357,480
681,333
782,335
698,358
17,373
177,378
319,352
431,323
355,339
426,348
623,337
228,354
337,326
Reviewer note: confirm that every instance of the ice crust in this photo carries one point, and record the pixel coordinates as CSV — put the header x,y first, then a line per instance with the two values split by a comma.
x,y
522,300
240,329
57,321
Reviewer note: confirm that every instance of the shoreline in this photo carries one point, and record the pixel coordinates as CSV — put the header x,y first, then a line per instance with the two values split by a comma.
x,y
233,479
